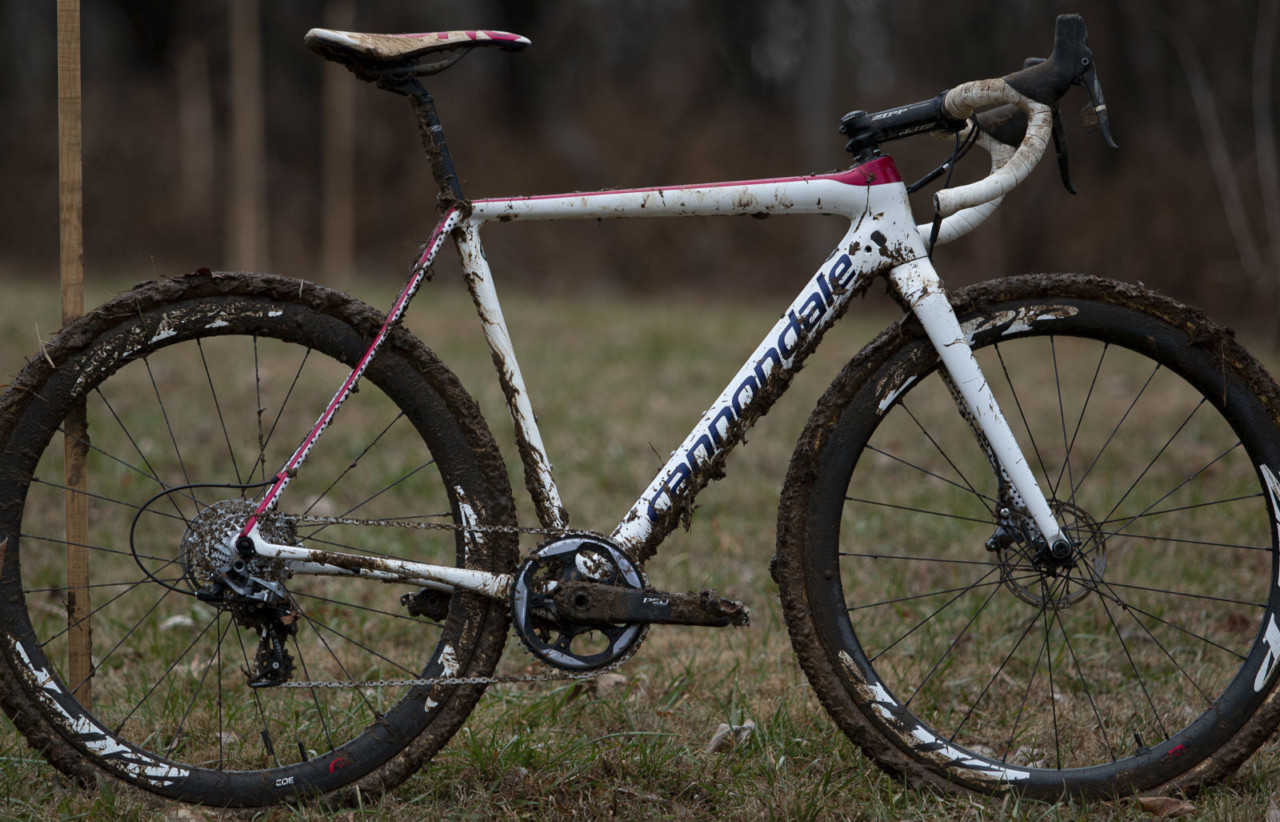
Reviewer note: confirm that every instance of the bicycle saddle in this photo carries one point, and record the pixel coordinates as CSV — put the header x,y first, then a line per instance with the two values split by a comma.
x,y
370,56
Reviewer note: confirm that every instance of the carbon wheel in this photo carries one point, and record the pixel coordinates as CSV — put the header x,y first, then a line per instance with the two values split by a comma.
x,y
195,391
953,648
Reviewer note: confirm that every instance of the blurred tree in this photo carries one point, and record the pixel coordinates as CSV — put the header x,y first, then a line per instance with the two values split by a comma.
x,y
247,225
338,132
631,92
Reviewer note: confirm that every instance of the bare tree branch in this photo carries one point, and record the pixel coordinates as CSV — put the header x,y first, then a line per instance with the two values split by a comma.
x,y
1202,95
1264,127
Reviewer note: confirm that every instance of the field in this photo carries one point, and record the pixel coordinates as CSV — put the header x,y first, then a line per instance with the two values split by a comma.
x,y
616,383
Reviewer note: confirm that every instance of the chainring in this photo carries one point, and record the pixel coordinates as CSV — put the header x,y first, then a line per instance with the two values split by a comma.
x,y
563,643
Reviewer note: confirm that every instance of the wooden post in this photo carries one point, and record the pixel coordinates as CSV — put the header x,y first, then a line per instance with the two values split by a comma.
x,y
75,436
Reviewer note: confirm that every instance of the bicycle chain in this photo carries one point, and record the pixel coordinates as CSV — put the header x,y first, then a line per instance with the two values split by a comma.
x,y
559,676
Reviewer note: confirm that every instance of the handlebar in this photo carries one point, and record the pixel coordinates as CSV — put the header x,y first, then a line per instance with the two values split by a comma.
x,y
1027,116
961,102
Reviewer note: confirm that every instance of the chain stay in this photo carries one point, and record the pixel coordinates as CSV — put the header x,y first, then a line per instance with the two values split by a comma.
x,y
559,676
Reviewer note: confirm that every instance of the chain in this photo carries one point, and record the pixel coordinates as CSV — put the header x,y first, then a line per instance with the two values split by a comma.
x,y
307,519
557,676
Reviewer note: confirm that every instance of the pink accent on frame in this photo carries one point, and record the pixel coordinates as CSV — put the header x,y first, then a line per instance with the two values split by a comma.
x,y
880,171
402,301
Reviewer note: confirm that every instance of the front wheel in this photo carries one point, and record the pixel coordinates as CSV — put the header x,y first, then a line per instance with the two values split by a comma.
x,y
122,650
955,650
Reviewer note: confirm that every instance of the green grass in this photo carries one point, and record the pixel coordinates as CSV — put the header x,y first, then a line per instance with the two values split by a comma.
x,y
616,383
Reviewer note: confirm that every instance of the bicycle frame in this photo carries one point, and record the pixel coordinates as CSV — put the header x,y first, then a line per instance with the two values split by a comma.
x,y
882,239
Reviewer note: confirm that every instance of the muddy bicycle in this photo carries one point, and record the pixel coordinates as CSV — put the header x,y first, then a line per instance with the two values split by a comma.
x,y
1027,540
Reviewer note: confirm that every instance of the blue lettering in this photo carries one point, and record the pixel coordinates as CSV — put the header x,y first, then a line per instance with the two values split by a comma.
x,y
812,311
788,342
842,273
726,416
762,373
822,286
704,442
748,387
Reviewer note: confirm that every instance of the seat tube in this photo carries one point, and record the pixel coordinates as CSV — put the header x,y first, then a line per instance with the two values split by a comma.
x,y
920,287
537,466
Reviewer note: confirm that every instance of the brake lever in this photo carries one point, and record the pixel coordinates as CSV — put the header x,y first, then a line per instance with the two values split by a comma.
x,y
1094,113
1060,148
1059,133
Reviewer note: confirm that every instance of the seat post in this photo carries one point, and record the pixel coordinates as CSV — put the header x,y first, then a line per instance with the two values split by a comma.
x,y
432,134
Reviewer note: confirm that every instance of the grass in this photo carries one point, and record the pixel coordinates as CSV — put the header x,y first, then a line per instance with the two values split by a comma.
x,y
616,384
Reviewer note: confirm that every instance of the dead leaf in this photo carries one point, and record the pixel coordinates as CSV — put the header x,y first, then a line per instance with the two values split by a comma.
x,y
1273,812
728,737
608,684
1166,807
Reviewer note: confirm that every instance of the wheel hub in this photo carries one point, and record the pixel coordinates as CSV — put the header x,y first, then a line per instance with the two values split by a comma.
x,y
1046,578
209,544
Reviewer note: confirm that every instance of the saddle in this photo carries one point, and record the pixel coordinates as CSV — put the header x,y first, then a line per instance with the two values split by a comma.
x,y
373,56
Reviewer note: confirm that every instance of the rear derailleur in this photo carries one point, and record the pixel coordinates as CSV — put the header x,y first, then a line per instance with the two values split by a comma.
x,y
262,606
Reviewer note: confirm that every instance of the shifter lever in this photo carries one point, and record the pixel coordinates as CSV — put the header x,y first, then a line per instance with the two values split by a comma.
x,y
1095,113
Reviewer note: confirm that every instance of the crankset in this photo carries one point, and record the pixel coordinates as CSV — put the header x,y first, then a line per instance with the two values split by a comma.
x,y
581,604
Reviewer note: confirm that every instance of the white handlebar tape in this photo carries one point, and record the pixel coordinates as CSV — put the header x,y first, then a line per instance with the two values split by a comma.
x,y
961,102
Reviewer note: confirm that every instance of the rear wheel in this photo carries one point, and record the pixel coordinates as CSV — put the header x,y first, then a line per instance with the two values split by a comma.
x,y
957,651
196,390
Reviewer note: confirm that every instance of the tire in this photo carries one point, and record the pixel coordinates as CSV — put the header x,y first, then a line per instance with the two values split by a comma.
x,y
1148,661
196,390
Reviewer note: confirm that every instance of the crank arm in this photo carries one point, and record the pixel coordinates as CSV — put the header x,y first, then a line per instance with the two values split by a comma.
x,y
440,577
596,603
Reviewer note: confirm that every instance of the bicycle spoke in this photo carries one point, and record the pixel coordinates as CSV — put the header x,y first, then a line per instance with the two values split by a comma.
x,y
1147,468
915,510
1084,407
165,674
933,475
1062,416
217,407
931,616
193,700
955,641
265,441
964,482
315,699
1115,430
329,488
1022,415
1169,493
168,424
1053,702
916,597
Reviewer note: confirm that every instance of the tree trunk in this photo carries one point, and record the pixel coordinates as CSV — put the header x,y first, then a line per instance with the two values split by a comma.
x,y
338,133
247,202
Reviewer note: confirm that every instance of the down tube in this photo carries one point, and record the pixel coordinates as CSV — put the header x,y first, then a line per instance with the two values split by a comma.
x,y
752,391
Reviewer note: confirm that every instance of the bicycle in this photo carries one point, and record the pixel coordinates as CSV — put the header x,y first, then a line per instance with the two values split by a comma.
x,y
1075,599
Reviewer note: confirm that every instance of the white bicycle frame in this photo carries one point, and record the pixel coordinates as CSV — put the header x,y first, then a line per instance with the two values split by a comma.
x,y
882,239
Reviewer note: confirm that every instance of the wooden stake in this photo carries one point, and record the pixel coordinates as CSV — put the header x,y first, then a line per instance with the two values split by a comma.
x,y
75,435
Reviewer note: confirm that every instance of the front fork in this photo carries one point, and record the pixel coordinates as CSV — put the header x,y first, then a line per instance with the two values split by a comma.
x,y
920,289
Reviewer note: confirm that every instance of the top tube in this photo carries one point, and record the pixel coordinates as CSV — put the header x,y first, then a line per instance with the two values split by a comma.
x,y
839,193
